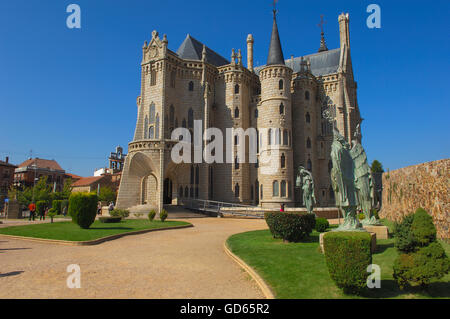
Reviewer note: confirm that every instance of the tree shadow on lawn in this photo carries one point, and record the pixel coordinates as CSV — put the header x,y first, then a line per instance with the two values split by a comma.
x,y
12,273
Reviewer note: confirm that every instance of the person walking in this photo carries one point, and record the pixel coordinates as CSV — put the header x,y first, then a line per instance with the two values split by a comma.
x,y
32,208
111,207
42,213
99,208
282,208
65,211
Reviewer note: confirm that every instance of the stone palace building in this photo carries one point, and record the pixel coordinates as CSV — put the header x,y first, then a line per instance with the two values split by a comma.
x,y
284,99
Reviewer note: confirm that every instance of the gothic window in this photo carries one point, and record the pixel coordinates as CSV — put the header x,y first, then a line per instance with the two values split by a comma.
x,y
283,161
256,113
236,112
277,136
151,132
309,165
308,143
191,86
285,137
236,89
236,163
275,191
283,188
191,118
281,108
280,84
152,113
307,95
146,127
172,78
157,126
171,116
184,123
261,192
308,118
153,78
236,190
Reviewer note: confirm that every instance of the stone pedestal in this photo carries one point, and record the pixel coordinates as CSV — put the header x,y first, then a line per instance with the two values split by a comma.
x,y
381,231
13,210
373,238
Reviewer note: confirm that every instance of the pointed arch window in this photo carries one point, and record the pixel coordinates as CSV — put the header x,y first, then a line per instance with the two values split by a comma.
x,y
283,188
191,86
281,108
236,190
157,127
307,95
236,89
151,134
283,161
308,143
184,123
309,165
275,190
285,137
278,136
307,118
236,112
236,162
281,84
191,118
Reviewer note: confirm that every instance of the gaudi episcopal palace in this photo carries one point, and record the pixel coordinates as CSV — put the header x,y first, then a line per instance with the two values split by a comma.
x,y
283,101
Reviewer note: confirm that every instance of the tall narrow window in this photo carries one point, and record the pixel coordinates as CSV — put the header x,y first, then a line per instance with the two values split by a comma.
x,y
157,127
146,127
152,113
153,78
308,143
307,118
151,132
191,86
171,116
309,165
281,108
256,113
236,190
307,95
236,112
281,85
278,136
283,188
184,123
283,161
190,118
236,89
236,162
275,191
261,192
285,137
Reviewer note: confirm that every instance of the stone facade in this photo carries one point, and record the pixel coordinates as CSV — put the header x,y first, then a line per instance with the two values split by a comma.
x,y
195,83
425,185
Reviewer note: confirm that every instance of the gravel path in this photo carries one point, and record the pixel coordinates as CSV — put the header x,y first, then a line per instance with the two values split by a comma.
x,y
185,263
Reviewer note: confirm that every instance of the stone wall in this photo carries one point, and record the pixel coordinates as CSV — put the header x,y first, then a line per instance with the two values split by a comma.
x,y
425,185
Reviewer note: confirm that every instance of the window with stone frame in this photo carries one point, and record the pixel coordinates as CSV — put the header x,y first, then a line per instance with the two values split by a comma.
x,y
283,188
191,86
275,189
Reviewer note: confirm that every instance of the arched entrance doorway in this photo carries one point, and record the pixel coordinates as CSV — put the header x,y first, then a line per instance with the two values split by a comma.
x,y
167,195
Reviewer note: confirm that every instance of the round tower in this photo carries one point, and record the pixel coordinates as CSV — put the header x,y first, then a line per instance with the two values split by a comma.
x,y
275,171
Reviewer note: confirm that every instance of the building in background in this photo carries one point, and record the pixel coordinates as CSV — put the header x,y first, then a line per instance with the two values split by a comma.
x,y
116,160
73,177
6,179
284,101
92,184
33,169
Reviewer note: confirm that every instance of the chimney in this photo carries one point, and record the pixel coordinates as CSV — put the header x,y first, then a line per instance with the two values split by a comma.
x,y
7,159
250,52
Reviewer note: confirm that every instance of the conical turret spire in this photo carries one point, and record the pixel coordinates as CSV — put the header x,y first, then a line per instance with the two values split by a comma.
x,y
275,51
323,45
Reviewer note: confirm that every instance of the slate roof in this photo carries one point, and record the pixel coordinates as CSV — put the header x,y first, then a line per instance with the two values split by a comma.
x,y
191,49
275,55
322,63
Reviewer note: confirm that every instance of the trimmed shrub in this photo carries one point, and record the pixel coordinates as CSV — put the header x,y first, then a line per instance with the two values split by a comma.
x,y
120,213
83,208
52,213
347,256
151,215
404,240
163,215
56,204
107,220
40,207
422,228
421,267
290,226
322,224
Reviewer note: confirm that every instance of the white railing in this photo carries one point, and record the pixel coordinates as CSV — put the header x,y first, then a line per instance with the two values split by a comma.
x,y
210,205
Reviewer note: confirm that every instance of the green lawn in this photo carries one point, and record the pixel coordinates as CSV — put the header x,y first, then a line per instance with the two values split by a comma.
x,y
298,270
72,232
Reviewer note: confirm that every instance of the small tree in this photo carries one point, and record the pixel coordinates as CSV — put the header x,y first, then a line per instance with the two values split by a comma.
x,y
83,208
107,194
376,167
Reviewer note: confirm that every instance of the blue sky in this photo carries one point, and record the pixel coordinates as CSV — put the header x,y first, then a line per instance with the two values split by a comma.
x,y
70,95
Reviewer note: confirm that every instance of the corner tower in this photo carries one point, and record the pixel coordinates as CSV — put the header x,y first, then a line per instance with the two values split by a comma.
x,y
275,171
